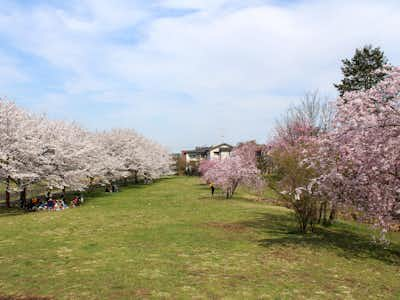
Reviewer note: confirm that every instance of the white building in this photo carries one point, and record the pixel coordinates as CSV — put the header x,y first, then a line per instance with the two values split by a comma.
x,y
193,157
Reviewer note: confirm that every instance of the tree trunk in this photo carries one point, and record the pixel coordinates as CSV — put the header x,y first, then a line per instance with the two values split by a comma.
x,y
234,187
332,215
322,213
8,192
303,225
324,219
321,207
22,197
63,193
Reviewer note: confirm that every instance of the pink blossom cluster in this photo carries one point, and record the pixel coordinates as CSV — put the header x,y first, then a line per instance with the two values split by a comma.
x,y
289,149
206,165
293,133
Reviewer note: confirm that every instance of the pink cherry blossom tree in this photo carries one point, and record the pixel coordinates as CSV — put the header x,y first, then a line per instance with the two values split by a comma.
x,y
238,169
291,145
360,157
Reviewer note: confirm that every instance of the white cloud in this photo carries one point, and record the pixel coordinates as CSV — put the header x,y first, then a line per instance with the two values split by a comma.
x,y
10,72
229,63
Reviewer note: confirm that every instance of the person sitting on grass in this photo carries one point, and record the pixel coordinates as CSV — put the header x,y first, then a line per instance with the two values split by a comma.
x,y
28,205
35,202
42,205
50,204
56,205
63,205
73,202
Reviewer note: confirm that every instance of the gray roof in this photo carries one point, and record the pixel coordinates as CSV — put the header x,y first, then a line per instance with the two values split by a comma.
x,y
204,150
220,145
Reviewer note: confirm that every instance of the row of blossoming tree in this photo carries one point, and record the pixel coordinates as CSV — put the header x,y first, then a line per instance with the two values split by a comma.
x,y
325,158
62,155
351,165
343,156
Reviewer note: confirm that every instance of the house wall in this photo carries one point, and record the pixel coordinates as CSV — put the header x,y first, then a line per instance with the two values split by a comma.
x,y
221,152
190,158
216,153
225,154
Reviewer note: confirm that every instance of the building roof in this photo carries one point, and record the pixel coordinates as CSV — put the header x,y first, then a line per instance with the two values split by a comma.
x,y
220,145
202,150
205,150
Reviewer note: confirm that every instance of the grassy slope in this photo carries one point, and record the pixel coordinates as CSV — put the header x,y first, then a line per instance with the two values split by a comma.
x,y
170,240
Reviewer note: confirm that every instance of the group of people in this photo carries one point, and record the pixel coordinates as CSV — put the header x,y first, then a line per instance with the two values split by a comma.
x,y
51,204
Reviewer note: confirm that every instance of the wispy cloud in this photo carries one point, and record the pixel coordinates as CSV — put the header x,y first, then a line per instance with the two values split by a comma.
x,y
10,71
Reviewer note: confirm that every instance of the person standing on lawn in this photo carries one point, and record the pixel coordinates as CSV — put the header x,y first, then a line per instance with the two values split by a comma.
x,y
212,189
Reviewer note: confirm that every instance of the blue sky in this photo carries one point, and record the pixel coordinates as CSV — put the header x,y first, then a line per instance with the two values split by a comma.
x,y
183,72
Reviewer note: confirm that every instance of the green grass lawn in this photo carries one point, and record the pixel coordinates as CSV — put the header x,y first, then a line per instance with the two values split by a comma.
x,y
169,240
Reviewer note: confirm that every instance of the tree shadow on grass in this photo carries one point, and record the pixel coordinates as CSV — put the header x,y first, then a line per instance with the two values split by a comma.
x,y
343,239
8,212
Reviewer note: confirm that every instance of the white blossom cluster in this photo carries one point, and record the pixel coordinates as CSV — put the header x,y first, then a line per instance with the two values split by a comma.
x,y
62,155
